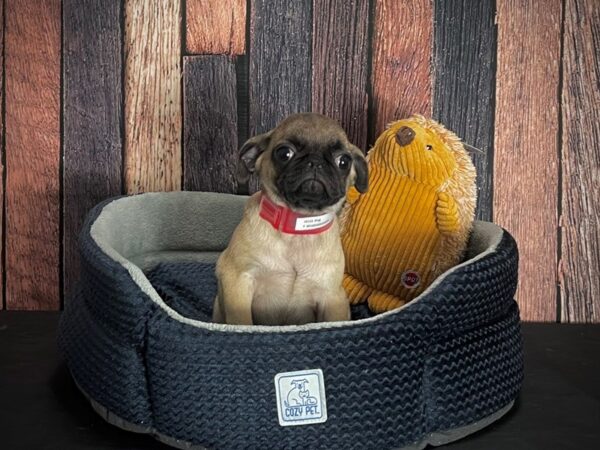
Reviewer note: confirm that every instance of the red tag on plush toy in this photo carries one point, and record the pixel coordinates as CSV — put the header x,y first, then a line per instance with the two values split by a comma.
x,y
411,279
414,222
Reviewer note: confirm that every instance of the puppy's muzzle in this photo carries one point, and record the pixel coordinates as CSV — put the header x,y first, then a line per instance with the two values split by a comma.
x,y
311,183
312,187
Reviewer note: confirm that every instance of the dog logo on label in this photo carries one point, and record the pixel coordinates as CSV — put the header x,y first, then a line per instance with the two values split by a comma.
x,y
300,397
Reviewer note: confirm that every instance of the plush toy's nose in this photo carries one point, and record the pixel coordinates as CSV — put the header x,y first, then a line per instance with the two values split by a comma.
x,y
405,136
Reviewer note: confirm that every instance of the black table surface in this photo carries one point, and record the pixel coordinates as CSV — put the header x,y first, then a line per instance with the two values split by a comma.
x,y
40,407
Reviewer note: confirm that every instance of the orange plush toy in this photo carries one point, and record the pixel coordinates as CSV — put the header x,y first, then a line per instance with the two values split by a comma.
x,y
414,222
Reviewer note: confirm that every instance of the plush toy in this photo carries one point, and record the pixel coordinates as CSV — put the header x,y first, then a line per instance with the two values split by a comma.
x,y
415,219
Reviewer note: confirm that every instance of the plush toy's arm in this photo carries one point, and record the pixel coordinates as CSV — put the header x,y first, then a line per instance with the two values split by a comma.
x,y
446,214
352,195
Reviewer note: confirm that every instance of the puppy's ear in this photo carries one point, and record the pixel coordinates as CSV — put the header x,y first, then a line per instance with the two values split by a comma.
x,y
360,167
249,153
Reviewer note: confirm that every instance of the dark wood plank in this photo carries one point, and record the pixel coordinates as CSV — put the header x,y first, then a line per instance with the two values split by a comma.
x,y
215,27
401,74
32,64
526,146
280,63
2,305
580,264
92,116
243,106
339,58
152,95
210,124
241,79
464,89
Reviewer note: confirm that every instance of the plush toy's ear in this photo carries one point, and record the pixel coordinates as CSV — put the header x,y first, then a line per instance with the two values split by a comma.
x,y
360,167
249,153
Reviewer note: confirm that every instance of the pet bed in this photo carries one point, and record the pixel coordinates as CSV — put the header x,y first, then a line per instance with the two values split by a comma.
x,y
138,341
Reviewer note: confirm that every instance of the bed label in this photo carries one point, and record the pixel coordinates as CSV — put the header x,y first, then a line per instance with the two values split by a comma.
x,y
300,397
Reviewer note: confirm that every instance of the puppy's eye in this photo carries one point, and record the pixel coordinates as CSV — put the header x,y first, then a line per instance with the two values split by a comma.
x,y
429,147
343,161
284,153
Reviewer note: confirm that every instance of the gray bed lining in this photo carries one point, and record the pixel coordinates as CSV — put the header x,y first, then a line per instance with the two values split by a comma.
x,y
140,231
147,261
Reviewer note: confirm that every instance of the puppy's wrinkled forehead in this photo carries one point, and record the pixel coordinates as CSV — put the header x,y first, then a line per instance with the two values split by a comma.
x,y
309,131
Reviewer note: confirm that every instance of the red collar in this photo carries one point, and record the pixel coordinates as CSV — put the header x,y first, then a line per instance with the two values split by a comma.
x,y
287,221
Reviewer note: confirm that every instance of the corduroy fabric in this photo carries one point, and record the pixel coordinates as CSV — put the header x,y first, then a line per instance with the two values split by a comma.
x,y
414,221
449,359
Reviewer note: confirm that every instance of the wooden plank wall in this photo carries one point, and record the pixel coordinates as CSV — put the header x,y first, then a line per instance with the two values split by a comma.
x,y
339,61
2,304
464,87
280,65
32,119
92,116
580,152
159,96
402,44
215,27
210,124
210,93
526,142
152,95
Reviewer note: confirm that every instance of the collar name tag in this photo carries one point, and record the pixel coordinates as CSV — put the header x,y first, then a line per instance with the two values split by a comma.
x,y
310,223
287,221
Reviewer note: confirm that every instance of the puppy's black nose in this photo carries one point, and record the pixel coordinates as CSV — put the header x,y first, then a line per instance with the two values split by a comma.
x,y
405,135
312,164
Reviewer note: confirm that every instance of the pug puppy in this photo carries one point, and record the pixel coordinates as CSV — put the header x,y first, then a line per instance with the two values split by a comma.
x,y
284,264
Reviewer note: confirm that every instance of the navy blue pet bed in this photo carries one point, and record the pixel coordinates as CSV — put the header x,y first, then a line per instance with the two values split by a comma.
x,y
139,343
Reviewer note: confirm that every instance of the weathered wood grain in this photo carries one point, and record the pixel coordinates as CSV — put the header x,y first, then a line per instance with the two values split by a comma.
x,y
215,27
526,146
2,305
580,256
210,124
280,63
32,64
241,80
401,75
242,65
464,88
152,95
339,59
92,116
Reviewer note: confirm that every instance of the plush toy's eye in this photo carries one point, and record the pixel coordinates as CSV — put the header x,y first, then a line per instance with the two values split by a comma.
x,y
343,161
429,147
284,153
